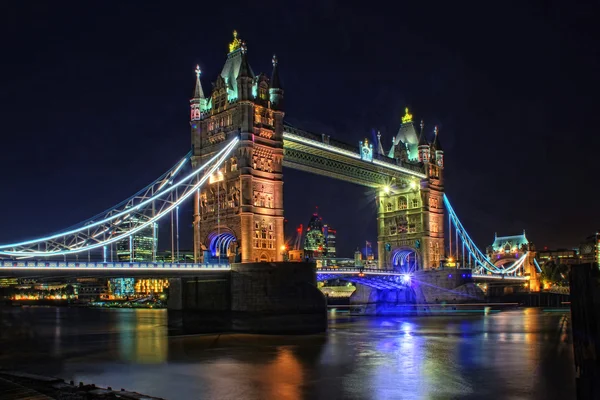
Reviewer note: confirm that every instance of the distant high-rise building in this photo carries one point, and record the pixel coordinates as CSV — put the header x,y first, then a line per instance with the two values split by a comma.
x,y
329,234
142,245
314,241
319,240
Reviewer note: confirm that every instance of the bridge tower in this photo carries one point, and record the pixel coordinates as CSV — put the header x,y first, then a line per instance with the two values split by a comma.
x,y
411,212
239,215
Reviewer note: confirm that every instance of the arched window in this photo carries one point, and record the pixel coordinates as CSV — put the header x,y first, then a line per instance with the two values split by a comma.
x,y
402,203
233,165
389,207
264,233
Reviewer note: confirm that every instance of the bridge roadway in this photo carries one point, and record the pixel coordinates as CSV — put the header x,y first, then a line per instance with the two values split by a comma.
x,y
12,268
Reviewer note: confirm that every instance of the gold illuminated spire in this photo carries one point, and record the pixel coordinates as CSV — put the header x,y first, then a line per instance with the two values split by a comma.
x,y
407,116
236,44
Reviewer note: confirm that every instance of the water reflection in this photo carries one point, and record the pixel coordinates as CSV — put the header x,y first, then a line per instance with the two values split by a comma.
x,y
142,336
521,354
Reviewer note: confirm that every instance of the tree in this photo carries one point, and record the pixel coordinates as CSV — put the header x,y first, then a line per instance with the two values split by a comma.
x,y
556,274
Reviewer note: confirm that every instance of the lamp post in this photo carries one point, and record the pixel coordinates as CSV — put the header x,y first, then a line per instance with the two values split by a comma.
x,y
284,252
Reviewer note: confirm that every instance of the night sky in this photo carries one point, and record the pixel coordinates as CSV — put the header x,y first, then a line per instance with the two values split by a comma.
x,y
94,104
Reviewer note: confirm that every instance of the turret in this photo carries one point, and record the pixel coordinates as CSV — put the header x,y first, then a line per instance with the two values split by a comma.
x,y
423,147
275,88
198,102
379,145
437,148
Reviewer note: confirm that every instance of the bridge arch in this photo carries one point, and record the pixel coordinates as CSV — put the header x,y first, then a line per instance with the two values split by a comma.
x,y
221,242
405,259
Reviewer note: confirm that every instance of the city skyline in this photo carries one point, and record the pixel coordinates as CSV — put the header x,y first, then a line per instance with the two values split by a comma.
x,y
75,140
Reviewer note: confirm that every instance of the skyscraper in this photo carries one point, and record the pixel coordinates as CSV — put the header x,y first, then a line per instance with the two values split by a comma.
x,y
142,245
329,234
314,241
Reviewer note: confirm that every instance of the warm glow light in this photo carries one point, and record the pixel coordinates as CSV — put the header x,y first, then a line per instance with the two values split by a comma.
x,y
386,189
282,247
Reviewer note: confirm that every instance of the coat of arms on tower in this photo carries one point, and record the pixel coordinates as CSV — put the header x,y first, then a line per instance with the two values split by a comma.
x,y
366,150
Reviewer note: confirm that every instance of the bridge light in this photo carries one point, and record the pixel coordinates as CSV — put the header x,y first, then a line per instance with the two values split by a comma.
x,y
386,189
405,279
283,247
413,185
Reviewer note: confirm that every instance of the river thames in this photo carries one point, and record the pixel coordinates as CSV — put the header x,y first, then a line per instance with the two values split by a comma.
x,y
520,354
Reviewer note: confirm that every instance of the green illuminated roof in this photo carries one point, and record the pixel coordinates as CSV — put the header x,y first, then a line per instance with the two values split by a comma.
x,y
407,135
236,62
509,242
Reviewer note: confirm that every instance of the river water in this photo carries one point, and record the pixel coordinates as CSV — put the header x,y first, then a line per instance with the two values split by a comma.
x,y
521,354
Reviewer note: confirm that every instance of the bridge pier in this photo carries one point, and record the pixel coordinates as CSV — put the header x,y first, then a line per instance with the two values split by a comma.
x,y
266,298
427,289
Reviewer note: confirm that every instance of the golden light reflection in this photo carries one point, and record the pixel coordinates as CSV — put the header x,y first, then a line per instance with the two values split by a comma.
x,y
407,116
284,377
143,336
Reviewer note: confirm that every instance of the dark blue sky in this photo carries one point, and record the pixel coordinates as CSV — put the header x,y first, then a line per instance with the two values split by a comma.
x,y
94,103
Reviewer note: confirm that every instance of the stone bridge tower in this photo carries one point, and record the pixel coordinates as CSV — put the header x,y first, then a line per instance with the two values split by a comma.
x,y
238,216
411,212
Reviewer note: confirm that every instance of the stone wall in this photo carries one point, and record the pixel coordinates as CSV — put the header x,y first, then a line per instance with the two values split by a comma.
x,y
277,297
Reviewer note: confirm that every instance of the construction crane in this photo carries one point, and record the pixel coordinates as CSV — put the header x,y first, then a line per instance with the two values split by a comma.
x,y
298,239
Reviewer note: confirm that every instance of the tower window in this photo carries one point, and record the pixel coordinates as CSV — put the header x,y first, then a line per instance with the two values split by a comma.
x,y
415,203
389,207
402,203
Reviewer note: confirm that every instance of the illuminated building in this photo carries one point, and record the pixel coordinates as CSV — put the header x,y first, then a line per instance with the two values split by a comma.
x,y
410,211
314,241
144,244
589,251
185,256
121,287
558,256
239,214
6,282
92,288
509,244
151,286
329,235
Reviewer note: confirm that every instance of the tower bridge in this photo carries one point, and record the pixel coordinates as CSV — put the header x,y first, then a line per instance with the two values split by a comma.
x,y
240,145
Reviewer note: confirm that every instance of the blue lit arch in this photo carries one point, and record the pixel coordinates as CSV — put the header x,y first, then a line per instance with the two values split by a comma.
x,y
218,243
405,259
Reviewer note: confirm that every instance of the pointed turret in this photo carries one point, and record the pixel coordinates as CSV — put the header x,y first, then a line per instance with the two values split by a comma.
x,y
424,149
437,148
275,87
379,145
198,102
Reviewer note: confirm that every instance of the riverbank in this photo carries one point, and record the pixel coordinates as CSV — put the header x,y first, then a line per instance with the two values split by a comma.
x,y
20,385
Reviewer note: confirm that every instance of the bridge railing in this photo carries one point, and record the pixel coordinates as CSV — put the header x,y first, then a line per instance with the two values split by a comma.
x,y
11,264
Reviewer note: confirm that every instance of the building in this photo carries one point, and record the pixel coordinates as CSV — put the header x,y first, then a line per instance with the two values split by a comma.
x,y
185,256
239,214
329,236
589,250
411,211
314,240
142,245
121,287
558,256
89,289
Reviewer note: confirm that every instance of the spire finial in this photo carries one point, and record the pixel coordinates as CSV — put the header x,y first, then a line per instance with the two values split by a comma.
x,y
407,116
243,47
274,60
236,43
422,124
198,72
435,130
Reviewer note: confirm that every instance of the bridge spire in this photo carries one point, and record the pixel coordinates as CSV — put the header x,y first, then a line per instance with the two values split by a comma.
x,y
423,146
379,144
275,87
198,92
198,102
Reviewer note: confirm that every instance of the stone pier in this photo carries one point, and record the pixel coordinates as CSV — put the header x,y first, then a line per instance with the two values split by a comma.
x,y
427,290
271,298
